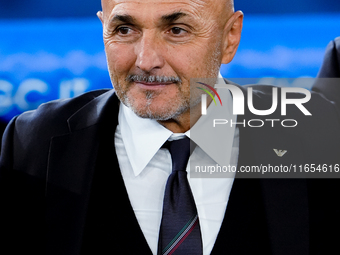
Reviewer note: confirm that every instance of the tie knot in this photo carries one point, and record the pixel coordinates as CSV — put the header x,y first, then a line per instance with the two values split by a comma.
x,y
180,152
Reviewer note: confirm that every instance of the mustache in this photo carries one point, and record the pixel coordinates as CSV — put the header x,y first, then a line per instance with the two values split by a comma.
x,y
152,78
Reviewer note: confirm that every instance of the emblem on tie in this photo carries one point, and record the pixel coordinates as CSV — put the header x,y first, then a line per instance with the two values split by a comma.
x,y
280,153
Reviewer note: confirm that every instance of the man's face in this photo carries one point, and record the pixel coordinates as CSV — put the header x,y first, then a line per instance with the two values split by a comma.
x,y
154,48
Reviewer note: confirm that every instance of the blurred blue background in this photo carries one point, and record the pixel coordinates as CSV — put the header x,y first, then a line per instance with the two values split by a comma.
x,y
54,49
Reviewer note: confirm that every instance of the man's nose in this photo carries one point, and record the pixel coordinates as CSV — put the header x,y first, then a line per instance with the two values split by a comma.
x,y
149,53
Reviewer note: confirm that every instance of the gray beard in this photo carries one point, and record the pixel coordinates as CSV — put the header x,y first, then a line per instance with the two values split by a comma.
x,y
162,115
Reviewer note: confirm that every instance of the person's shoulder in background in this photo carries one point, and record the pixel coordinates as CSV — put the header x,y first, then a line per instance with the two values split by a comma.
x,y
327,81
331,63
3,125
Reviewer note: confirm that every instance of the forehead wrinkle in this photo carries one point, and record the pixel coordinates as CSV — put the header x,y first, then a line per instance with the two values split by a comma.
x,y
201,2
124,16
193,7
197,3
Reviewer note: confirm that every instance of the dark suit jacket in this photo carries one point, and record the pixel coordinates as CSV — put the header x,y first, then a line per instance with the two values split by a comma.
x,y
328,78
61,190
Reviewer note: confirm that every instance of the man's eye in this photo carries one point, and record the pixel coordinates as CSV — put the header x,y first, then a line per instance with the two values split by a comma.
x,y
123,30
177,31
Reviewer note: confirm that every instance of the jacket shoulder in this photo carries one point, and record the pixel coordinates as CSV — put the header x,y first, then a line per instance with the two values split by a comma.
x,y
27,138
51,117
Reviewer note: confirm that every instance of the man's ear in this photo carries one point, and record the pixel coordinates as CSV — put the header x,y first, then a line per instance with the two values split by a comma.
x,y
232,36
100,16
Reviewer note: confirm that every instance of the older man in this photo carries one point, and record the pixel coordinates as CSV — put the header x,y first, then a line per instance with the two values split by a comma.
x,y
173,41
104,173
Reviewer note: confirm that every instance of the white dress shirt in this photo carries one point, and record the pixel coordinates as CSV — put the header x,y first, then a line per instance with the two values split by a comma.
x,y
145,168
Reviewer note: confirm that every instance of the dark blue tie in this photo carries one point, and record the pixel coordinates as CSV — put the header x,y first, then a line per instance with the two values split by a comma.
x,y
180,230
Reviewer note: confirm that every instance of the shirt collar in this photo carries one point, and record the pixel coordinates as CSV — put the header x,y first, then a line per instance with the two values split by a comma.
x,y
143,137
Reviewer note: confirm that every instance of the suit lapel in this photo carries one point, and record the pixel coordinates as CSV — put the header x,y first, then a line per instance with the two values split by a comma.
x,y
67,192
111,221
76,158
